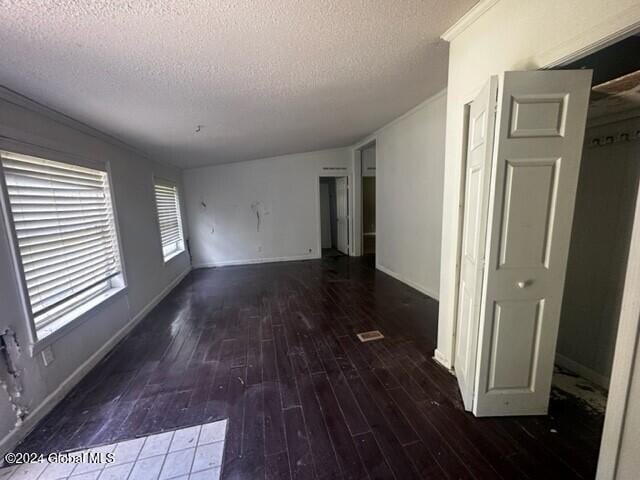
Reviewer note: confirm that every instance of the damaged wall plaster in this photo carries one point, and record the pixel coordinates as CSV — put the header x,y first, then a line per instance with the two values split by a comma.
x,y
11,374
265,210
24,127
258,209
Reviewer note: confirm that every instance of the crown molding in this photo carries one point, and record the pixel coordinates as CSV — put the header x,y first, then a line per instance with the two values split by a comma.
x,y
13,97
467,19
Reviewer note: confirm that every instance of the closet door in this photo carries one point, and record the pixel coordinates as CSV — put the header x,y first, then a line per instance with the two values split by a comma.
x,y
474,228
540,130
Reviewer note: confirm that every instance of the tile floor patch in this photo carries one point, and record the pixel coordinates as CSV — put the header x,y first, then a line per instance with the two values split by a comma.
x,y
156,445
185,438
193,453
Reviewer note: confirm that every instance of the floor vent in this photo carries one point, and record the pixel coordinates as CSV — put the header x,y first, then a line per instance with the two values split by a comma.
x,y
370,336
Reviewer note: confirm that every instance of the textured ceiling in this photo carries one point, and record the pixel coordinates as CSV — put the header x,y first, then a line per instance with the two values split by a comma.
x,y
262,78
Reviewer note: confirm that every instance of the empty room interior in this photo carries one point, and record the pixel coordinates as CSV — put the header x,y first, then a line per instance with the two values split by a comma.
x,y
320,240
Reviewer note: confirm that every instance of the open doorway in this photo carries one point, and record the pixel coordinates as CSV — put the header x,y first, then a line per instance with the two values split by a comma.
x,y
334,214
602,226
368,155
581,334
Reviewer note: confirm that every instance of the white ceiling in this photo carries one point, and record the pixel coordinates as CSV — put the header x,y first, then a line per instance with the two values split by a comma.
x,y
263,77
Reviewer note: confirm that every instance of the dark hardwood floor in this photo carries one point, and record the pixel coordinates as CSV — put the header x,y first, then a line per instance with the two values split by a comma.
x,y
273,348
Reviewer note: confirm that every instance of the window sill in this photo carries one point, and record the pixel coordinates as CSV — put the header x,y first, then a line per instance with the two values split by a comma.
x,y
173,255
54,331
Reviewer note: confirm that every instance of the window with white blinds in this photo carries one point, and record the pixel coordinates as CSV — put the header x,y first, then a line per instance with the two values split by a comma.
x,y
169,220
63,222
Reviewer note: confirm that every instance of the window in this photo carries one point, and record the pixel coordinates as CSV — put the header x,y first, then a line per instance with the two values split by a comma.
x,y
63,222
169,219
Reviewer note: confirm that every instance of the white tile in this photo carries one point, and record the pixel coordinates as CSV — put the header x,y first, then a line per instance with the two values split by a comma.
x,y
213,474
156,445
29,471
94,453
208,456
213,432
117,472
147,469
7,471
177,463
57,470
185,438
86,476
127,451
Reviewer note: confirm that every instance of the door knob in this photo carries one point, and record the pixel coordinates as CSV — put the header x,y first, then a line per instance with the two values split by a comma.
x,y
522,284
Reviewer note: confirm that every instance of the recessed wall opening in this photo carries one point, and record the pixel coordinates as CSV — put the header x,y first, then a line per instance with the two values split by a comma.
x,y
368,156
602,226
596,248
334,216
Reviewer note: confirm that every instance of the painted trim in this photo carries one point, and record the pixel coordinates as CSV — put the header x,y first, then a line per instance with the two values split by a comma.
x,y
439,357
615,118
15,98
14,437
579,47
372,137
411,283
625,361
467,19
254,261
582,370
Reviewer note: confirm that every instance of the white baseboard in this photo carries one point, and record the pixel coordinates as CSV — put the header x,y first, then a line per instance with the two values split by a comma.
x,y
12,439
253,261
412,284
439,357
583,371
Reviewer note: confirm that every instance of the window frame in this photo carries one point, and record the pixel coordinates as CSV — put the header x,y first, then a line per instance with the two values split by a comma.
x,y
157,180
45,335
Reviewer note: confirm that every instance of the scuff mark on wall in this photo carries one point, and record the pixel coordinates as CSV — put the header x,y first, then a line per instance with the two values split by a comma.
x,y
203,206
259,209
10,375
255,206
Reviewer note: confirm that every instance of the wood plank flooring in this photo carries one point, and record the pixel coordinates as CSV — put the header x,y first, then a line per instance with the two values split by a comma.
x,y
273,349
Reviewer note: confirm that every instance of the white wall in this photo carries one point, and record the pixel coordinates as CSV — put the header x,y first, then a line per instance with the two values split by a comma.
x,y
369,161
28,128
510,35
605,203
409,160
223,201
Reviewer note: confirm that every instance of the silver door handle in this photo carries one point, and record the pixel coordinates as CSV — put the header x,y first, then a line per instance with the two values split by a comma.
x,y
523,284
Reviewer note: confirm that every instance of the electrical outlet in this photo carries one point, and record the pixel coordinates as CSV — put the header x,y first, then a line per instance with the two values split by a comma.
x,y
259,248
47,356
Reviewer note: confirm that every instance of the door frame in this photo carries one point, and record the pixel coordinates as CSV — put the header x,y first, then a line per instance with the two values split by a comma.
x,y
627,346
360,199
337,174
356,240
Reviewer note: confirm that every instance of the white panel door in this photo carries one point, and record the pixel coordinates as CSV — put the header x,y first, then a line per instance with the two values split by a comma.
x,y
540,130
474,227
342,214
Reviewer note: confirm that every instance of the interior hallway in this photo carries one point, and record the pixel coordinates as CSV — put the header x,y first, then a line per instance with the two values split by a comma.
x,y
272,347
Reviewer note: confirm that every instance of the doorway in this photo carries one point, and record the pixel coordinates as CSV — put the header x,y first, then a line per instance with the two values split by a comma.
x,y
579,353
334,215
602,227
368,155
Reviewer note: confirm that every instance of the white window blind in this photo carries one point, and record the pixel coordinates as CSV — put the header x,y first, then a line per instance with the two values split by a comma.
x,y
63,220
169,219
